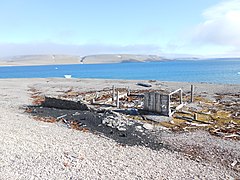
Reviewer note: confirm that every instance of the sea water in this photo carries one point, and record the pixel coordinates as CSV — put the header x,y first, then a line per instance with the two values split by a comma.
x,y
211,71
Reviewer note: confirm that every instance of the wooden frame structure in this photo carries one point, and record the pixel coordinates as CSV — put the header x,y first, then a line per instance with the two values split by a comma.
x,y
161,103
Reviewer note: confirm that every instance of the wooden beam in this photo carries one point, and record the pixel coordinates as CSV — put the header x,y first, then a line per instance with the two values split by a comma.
x,y
175,91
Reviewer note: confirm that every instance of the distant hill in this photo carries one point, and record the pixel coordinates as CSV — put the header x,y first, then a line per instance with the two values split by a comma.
x,y
91,59
117,58
39,60
68,59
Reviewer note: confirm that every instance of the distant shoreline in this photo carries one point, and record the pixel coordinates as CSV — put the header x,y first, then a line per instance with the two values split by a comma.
x,y
44,60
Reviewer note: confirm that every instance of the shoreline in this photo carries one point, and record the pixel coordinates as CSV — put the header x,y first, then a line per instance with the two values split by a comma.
x,y
95,83
133,80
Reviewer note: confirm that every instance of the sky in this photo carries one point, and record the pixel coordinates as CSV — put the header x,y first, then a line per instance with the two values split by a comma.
x,y
205,28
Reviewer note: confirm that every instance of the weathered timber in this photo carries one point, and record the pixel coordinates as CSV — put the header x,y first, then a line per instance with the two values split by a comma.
x,y
191,119
113,93
192,93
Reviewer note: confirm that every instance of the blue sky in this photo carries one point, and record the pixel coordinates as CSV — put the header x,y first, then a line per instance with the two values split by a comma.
x,y
82,27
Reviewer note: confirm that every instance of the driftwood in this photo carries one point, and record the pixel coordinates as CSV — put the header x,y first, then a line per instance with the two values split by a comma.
x,y
144,84
191,119
59,117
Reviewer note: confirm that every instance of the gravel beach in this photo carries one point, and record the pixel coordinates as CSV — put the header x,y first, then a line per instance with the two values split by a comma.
x,y
33,149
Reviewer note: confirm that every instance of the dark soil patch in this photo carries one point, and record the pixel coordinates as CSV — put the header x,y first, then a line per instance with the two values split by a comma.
x,y
92,121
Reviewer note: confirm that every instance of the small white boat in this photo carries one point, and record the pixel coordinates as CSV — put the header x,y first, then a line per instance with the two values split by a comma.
x,y
68,76
238,73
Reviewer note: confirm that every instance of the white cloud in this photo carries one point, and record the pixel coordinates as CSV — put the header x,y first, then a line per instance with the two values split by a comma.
x,y
222,9
221,26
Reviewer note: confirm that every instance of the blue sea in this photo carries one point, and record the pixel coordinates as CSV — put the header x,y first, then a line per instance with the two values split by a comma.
x,y
212,71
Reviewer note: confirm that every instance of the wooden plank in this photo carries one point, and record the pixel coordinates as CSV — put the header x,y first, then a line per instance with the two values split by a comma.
x,y
146,101
117,101
179,107
113,93
168,106
165,106
158,102
175,91
152,101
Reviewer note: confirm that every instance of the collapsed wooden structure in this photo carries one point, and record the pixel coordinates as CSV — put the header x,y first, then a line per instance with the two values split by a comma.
x,y
161,103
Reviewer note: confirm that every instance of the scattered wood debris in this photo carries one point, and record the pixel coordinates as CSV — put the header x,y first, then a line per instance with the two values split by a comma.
x,y
219,116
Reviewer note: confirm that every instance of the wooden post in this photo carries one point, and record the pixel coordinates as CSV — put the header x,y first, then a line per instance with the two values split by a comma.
x,y
128,91
117,101
113,93
180,95
168,105
195,116
96,96
192,93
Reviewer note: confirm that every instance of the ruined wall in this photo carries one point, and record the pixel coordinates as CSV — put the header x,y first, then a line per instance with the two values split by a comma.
x,y
64,104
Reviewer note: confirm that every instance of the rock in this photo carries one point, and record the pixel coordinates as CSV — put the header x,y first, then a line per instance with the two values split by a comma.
x,y
122,135
139,128
121,128
115,120
162,128
132,111
148,126
76,114
234,163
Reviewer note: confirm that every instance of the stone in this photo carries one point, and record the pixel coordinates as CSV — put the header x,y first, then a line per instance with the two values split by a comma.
x,y
148,126
139,128
234,163
121,128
